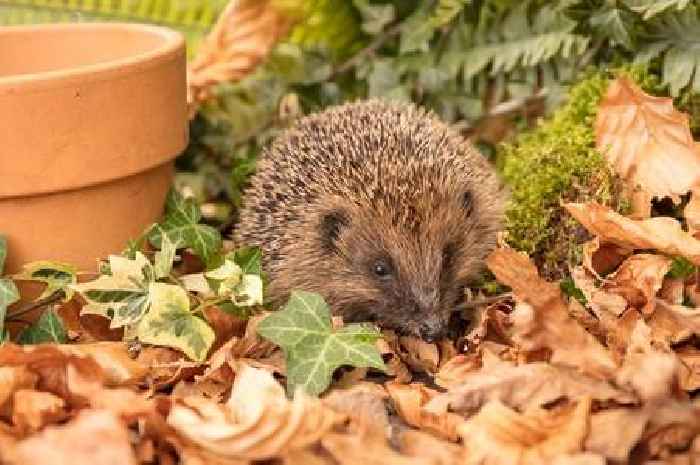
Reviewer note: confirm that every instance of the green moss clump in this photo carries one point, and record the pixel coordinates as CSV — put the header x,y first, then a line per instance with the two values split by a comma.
x,y
556,162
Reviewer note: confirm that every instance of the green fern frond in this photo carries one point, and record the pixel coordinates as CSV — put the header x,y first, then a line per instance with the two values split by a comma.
x,y
192,17
676,37
447,10
526,43
651,8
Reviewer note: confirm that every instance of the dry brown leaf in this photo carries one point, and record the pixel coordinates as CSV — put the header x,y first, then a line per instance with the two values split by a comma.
x,y
659,233
524,387
13,378
648,372
585,458
613,433
541,320
426,446
454,371
366,449
410,399
420,355
673,291
307,457
387,345
94,437
602,303
364,404
242,37
257,422
638,279
32,410
52,365
501,436
671,324
603,258
117,365
689,374
647,141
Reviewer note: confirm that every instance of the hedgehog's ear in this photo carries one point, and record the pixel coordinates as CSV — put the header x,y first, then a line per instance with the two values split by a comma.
x,y
332,223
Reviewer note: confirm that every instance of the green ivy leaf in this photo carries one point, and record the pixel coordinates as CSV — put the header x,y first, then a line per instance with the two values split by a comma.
x,y
49,328
181,224
312,348
57,277
249,259
170,323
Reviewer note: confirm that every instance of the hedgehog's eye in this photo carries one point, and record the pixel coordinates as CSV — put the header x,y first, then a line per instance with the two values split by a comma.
x,y
381,268
330,227
468,202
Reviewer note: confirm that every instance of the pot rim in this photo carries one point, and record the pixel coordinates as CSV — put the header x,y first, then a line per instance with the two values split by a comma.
x,y
172,44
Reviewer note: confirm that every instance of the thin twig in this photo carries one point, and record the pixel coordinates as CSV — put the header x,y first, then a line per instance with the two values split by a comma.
x,y
367,51
53,298
484,301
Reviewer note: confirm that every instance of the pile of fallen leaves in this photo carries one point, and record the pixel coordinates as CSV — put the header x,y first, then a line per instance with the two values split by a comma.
x,y
607,375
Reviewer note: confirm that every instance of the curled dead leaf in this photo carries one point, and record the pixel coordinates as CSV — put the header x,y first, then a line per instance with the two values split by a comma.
x,y
242,37
364,404
94,437
541,319
429,448
410,400
501,436
365,449
647,141
257,422
659,233
614,432
524,387
32,410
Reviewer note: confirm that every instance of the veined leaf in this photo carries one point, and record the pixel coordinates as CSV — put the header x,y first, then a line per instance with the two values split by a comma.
x,y
49,328
122,295
374,17
164,258
312,348
57,277
181,224
249,259
170,323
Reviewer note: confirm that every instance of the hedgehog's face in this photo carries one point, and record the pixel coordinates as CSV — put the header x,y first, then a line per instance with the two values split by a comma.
x,y
406,272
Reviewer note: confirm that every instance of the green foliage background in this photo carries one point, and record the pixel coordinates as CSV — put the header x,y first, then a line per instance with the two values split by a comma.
x,y
474,62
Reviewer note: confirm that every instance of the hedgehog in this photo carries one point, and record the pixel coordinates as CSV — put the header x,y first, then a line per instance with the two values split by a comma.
x,y
379,207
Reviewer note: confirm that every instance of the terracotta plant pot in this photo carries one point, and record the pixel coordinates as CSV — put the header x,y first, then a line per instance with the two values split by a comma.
x,y
91,118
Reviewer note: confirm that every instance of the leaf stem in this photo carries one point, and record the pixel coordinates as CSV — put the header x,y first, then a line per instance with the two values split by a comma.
x,y
53,298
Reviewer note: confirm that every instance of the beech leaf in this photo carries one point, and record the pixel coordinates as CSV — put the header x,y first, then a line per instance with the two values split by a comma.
x,y
647,141
312,348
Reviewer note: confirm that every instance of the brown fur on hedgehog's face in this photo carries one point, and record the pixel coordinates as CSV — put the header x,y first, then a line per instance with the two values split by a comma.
x,y
405,271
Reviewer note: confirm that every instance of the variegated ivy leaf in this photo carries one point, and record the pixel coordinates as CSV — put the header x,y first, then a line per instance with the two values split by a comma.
x,y
170,323
57,277
8,291
122,295
313,350
164,258
181,225
226,277
248,292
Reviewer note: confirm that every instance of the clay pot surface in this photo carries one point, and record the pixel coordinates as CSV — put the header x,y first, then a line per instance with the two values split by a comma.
x,y
92,116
